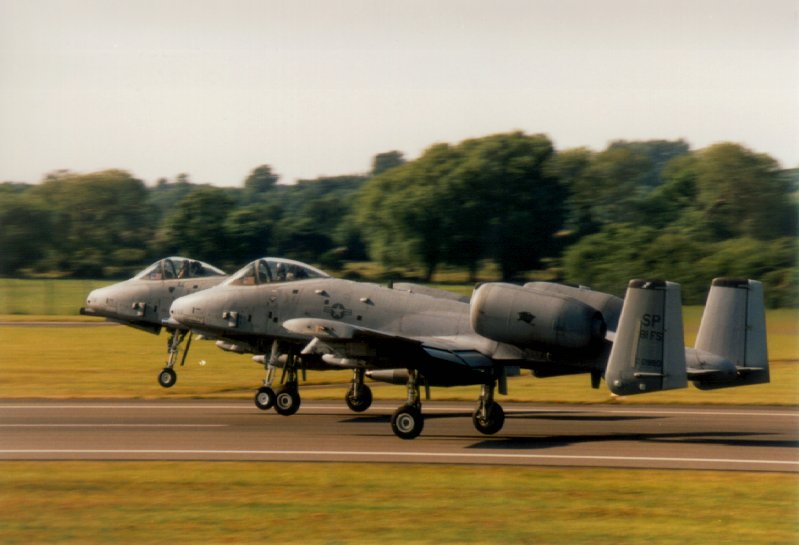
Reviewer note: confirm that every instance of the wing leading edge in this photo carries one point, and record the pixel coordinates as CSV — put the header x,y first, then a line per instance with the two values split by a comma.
x,y
444,361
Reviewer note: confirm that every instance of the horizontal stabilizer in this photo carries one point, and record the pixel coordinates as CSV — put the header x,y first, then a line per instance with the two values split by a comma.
x,y
648,352
747,370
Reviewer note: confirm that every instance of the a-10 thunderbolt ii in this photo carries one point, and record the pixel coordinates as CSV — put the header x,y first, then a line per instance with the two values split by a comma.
x,y
143,301
298,317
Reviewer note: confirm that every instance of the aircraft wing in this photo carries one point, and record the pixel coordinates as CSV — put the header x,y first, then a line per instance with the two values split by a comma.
x,y
443,360
333,331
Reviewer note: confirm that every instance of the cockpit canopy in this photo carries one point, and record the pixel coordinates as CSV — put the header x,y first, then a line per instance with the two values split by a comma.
x,y
178,267
271,269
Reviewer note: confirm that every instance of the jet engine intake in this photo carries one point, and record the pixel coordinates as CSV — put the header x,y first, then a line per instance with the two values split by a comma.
x,y
532,318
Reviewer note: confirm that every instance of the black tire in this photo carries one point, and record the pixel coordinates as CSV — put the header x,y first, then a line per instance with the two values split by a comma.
x,y
362,402
407,422
265,398
167,377
495,419
287,400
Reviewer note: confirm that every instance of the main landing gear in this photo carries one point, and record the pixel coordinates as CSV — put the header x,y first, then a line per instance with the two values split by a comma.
x,y
286,399
488,418
359,396
167,377
407,421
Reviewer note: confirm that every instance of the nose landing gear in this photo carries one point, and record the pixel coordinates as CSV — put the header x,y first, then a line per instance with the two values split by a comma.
x,y
167,377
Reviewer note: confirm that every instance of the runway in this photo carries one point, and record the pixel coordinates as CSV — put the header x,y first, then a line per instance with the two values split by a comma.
x,y
707,437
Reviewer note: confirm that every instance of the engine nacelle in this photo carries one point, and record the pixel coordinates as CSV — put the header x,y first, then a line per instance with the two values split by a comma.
x,y
532,318
609,305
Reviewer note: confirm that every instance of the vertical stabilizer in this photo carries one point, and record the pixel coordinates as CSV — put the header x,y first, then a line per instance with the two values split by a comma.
x,y
733,327
648,352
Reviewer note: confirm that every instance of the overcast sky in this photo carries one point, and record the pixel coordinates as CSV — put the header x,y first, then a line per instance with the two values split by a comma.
x,y
318,87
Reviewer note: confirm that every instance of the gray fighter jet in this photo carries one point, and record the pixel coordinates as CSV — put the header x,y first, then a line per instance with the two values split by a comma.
x,y
143,301
297,317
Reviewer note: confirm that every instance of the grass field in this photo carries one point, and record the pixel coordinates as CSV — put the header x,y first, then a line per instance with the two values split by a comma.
x,y
120,362
116,361
187,502
45,297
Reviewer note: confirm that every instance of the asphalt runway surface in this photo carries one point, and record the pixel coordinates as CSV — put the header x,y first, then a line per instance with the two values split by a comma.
x,y
707,437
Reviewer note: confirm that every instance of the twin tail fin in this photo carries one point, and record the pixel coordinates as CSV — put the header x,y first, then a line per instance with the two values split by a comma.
x,y
648,353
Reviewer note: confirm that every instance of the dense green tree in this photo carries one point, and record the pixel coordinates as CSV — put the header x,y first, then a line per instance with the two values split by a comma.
x,y
165,195
400,211
569,167
299,238
488,197
259,183
613,186
659,153
14,188
196,226
607,260
527,200
382,230
312,230
250,232
674,200
101,223
636,209
622,184
741,193
24,231
385,161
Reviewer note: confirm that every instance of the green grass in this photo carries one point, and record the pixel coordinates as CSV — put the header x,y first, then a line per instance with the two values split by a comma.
x,y
113,361
122,362
45,297
116,361
242,502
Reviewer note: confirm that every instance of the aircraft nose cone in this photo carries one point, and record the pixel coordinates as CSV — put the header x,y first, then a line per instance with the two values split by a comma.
x,y
91,299
98,300
187,310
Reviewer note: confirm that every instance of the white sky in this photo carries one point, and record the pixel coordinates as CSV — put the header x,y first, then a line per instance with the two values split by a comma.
x,y
318,87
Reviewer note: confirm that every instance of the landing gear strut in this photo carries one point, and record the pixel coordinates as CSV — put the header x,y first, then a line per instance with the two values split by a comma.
x,y
407,421
359,396
489,417
265,396
286,399
167,377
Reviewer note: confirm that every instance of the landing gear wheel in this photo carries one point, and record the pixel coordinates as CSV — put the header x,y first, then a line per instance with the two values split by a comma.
x,y
167,378
407,422
493,421
265,398
360,403
287,400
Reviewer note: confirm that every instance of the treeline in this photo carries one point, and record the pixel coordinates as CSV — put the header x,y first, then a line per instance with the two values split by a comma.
x,y
635,209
